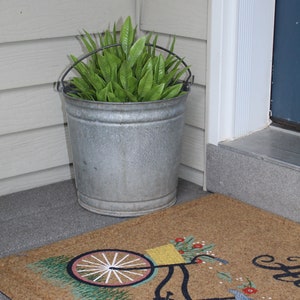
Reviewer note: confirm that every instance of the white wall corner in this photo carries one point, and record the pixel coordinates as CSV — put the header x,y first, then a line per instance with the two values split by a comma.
x,y
240,46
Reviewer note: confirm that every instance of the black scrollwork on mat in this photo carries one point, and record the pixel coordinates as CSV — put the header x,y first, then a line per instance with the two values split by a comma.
x,y
288,272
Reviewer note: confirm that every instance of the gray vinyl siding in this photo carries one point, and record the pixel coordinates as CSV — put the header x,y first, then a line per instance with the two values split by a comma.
x,y
36,38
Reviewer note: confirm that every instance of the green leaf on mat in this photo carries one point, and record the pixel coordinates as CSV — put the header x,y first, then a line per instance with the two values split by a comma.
x,y
224,276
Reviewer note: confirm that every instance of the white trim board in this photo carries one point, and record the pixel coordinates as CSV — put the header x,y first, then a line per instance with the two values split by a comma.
x,y
240,46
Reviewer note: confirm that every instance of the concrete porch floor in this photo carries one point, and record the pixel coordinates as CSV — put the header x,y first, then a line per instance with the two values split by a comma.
x,y
40,216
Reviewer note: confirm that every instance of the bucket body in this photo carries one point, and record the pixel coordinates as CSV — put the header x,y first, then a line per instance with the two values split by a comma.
x,y
126,155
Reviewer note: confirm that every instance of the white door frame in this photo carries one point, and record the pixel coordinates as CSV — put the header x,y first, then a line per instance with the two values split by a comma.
x,y
240,47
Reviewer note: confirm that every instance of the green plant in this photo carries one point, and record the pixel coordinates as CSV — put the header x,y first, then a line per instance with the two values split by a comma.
x,y
127,69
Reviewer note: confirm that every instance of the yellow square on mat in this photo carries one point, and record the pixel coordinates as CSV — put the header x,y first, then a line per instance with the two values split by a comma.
x,y
165,255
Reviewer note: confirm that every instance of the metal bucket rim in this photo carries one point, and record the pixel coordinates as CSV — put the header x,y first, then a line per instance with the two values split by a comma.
x,y
118,104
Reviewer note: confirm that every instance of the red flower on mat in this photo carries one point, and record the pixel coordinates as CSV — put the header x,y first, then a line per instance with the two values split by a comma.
x,y
199,261
179,239
249,290
198,246
181,251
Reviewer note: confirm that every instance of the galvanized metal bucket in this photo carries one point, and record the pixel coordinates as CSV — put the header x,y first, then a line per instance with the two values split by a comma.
x,y
126,156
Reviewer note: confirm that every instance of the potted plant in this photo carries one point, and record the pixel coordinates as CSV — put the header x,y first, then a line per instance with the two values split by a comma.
x,y
125,112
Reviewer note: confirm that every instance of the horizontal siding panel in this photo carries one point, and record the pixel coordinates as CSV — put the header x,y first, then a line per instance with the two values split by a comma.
x,y
193,146
41,106
37,19
191,175
36,179
30,108
35,62
195,111
193,52
184,18
33,151
41,62
49,176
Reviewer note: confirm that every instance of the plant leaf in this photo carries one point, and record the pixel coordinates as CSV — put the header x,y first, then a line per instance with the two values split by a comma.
x,y
115,34
159,69
114,64
225,276
168,77
170,62
155,93
132,84
108,38
102,95
80,84
154,45
124,73
136,50
127,35
129,72
81,67
180,73
172,91
105,68
139,64
119,92
132,97
148,37
96,81
145,84
172,45
170,56
147,67
88,42
207,247
101,39
112,97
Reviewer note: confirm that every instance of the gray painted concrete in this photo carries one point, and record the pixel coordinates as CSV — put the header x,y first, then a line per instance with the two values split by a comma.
x,y
262,169
273,144
44,215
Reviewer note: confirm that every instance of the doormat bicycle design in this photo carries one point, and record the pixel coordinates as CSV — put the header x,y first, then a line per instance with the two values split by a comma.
x,y
170,269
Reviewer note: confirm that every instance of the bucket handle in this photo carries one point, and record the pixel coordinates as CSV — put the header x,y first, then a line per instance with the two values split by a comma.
x,y
186,83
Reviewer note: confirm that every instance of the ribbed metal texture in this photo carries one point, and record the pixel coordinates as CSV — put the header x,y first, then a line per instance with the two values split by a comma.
x,y
126,155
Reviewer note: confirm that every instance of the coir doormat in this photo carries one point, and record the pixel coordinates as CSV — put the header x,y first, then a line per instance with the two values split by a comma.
x,y
212,248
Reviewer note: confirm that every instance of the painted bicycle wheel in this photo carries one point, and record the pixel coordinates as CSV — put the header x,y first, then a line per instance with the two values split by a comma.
x,y
111,268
